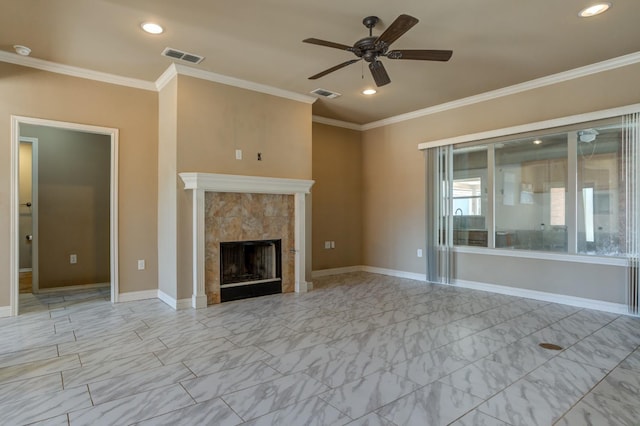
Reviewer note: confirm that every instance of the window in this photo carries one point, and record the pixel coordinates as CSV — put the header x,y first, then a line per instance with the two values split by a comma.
x,y
466,196
520,191
530,199
469,196
600,197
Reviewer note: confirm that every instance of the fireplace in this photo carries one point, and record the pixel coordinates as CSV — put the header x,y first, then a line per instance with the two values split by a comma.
x,y
250,269
245,208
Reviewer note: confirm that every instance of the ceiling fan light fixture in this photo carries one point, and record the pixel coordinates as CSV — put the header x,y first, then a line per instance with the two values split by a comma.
x,y
152,28
369,92
594,10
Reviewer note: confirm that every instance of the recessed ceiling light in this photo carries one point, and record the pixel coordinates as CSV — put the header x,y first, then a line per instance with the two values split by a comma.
x,y
369,92
22,50
152,28
594,10
537,142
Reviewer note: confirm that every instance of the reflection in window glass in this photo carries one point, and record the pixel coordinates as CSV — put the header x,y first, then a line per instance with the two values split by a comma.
x,y
467,195
469,191
557,206
600,219
530,198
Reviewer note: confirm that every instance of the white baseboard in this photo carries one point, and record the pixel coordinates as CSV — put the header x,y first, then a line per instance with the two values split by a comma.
x,y
371,269
5,311
335,271
174,303
132,296
395,273
580,302
72,287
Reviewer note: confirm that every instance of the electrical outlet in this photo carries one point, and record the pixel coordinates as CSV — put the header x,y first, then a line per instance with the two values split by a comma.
x,y
73,259
141,265
259,156
238,154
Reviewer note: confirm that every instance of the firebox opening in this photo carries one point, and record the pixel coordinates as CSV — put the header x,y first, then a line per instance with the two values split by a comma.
x,y
250,269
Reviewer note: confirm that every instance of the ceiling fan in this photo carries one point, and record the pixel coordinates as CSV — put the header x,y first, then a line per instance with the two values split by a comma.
x,y
372,48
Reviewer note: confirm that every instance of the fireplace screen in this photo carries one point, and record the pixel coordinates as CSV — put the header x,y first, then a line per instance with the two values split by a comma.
x,y
249,269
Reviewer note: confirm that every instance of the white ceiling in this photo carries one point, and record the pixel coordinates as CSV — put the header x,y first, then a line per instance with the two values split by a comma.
x,y
496,43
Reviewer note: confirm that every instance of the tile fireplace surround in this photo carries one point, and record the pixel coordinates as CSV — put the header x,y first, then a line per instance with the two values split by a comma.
x,y
237,208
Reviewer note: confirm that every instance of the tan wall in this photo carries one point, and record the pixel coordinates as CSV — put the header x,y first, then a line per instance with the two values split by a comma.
x,y
393,168
337,196
213,121
584,280
34,93
74,171
167,188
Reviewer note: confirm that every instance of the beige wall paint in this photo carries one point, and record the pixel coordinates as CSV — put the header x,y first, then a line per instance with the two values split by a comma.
x,y
213,120
393,168
40,94
167,189
74,171
393,200
584,280
337,196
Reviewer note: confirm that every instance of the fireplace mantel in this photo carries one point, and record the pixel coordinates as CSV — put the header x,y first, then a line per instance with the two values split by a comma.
x,y
199,183
246,184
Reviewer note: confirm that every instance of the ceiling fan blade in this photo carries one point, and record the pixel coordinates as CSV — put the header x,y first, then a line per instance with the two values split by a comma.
x,y
401,25
326,43
379,74
332,69
421,55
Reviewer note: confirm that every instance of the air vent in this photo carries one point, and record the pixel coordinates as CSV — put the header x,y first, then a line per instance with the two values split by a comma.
x,y
183,56
326,93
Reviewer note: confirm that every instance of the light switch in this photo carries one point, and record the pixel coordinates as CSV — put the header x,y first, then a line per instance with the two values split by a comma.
x,y
327,245
333,244
419,252
141,265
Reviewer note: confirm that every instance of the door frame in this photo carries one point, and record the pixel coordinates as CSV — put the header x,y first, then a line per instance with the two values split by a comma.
x,y
14,203
34,210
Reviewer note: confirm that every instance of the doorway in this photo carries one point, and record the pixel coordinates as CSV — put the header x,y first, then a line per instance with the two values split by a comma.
x,y
78,186
28,214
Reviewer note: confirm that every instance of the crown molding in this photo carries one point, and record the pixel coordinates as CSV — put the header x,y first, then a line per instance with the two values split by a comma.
x,y
336,123
72,71
243,84
532,127
610,64
166,77
175,69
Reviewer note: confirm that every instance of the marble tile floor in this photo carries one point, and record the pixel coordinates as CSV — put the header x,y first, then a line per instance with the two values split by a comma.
x,y
361,349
